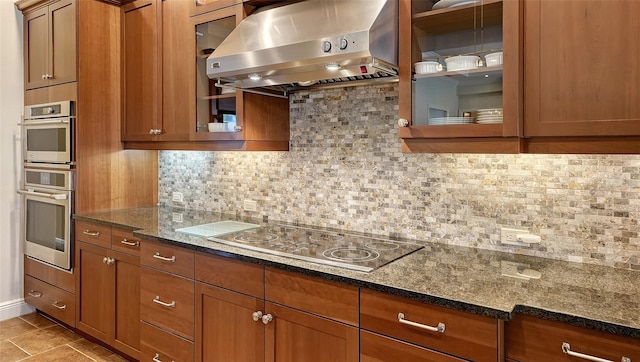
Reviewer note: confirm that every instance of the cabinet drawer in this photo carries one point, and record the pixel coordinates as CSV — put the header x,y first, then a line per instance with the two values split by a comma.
x,y
167,301
231,274
169,258
163,346
51,300
93,233
534,339
377,348
51,275
124,241
322,297
465,335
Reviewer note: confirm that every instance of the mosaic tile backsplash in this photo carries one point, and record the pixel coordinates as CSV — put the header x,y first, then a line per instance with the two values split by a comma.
x,y
345,170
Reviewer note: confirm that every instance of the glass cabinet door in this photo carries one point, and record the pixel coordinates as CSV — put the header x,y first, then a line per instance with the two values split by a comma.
x,y
215,105
461,72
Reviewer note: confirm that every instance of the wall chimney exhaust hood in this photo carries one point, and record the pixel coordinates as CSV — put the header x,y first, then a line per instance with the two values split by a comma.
x,y
312,42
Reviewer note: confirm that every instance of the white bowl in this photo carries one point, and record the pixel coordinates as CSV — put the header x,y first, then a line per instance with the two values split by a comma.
x,y
216,127
427,67
463,62
493,59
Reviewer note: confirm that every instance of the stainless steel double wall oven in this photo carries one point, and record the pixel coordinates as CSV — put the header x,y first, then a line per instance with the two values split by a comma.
x,y
48,183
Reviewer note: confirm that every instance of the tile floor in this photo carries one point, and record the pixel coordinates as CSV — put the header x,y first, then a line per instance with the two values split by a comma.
x,y
33,337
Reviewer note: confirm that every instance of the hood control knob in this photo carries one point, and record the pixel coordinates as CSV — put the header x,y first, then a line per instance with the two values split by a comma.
x,y
344,43
326,46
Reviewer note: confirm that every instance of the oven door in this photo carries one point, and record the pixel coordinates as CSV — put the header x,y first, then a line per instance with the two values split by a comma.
x,y
47,227
49,141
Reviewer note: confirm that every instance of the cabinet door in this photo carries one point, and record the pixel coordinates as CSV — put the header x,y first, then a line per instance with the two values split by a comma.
x,y
62,42
225,327
36,48
141,71
95,291
297,336
126,337
473,105
581,67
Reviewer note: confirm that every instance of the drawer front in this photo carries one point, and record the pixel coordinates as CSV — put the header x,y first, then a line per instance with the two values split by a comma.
x,y
51,275
377,348
124,241
171,259
167,301
156,344
533,339
230,274
465,335
93,233
318,296
51,300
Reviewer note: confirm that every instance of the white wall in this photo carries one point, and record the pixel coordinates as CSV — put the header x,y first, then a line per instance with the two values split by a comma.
x,y
11,103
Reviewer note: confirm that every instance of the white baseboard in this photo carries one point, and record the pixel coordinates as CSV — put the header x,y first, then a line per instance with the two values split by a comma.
x,y
14,308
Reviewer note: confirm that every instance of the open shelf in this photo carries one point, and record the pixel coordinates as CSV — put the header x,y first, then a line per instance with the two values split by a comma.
x,y
460,18
463,74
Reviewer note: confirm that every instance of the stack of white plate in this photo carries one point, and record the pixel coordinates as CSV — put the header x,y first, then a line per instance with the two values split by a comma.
x,y
489,116
438,121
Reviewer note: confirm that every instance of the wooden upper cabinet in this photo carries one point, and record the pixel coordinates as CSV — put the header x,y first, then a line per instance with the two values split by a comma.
x,y
50,50
141,71
581,71
452,108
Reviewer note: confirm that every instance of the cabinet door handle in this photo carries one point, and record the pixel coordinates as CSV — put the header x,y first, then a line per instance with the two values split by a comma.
x,y
170,305
171,259
34,293
267,318
156,358
440,328
108,260
91,233
256,316
130,243
55,304
566,348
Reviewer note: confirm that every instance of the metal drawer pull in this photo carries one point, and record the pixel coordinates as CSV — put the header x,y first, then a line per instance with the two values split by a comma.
x,y
156,358
158,256
566,348
130,243
170,305
256,316
91,233
55,304
440,328
34,293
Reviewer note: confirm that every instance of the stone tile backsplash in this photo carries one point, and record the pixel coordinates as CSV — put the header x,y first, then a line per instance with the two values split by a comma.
x,y
345,170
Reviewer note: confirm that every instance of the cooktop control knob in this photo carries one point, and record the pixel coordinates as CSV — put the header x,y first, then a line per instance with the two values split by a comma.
x,y
326,46
344,43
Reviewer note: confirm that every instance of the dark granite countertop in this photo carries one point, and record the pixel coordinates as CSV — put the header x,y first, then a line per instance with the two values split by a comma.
x,y
468,279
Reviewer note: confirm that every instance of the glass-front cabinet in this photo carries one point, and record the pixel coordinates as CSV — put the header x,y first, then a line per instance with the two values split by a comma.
x,y
215,105
460,76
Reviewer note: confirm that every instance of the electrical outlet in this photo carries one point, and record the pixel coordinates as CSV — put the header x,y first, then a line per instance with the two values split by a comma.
x,y
250,205
510,237
177,217
176,197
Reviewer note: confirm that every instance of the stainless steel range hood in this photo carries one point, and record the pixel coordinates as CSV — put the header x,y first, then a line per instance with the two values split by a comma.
x,y
310,42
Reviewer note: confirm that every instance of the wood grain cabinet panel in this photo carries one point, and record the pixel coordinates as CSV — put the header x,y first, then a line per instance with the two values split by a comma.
x,y
167,301
230,274
93,233
55,302
124,241
465,335
534,339
163,346
377,348
330,299
50,49
168,258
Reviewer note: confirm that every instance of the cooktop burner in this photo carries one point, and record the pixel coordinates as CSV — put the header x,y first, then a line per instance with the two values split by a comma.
x,y
343,250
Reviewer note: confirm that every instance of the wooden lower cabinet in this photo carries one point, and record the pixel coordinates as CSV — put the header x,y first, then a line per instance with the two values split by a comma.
x,y
534,339
294,335
52,300
378,348
108,296
159,345
225,326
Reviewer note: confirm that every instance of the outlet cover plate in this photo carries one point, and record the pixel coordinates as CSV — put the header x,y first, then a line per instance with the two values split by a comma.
x,y
250,205
176,197
510,237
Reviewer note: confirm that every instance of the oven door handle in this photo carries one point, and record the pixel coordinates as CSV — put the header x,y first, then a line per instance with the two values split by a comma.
x,y
42,194
43,123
